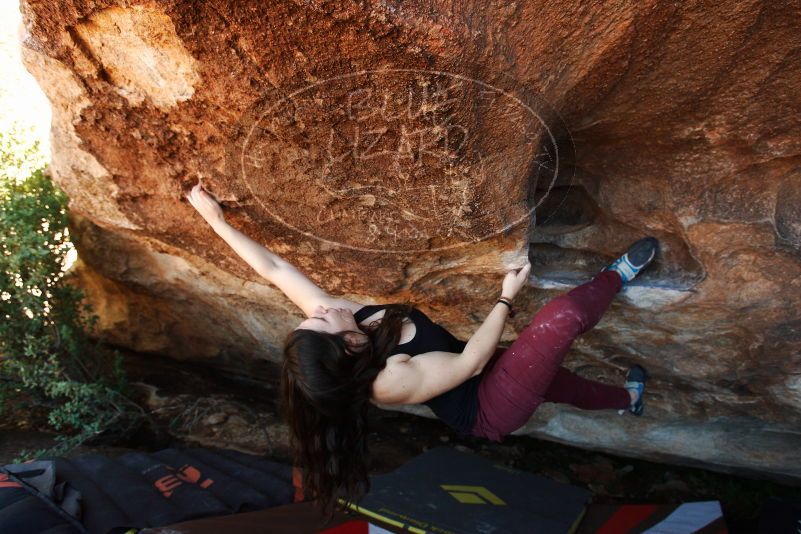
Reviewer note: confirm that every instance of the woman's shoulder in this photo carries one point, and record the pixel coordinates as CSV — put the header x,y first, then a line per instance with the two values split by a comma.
x,y
357,308
364,311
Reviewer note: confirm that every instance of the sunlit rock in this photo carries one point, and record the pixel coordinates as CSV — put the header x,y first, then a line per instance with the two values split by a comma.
x,y
558,131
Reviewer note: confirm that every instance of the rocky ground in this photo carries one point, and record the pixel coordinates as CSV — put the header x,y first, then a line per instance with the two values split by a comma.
x,y
193,406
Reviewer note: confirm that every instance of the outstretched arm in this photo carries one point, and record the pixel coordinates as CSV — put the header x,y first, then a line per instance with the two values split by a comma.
x,y
295,285
414,380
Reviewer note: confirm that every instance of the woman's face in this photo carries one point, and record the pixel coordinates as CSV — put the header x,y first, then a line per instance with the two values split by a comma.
x,y
330,320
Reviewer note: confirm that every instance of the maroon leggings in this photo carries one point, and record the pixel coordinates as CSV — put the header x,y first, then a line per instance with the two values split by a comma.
x,y
520,378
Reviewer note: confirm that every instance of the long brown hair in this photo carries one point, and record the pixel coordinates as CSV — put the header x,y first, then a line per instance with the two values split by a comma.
x,y
326,385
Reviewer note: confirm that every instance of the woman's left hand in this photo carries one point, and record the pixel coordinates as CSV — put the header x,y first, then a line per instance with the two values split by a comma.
x,y
205,204
515,280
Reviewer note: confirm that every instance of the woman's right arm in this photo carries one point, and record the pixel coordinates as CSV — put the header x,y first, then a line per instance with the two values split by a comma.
x,y
294,284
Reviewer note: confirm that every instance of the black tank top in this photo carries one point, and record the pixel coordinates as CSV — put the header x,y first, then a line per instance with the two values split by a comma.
x,y
457,407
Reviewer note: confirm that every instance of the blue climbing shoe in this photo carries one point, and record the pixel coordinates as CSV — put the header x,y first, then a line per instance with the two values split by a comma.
x,y
635,380
635,259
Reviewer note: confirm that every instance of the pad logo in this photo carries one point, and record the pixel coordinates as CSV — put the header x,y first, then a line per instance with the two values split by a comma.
x,y
186,474
473,495
6,482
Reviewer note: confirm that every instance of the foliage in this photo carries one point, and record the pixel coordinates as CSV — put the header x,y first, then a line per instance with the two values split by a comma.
x,y
46,353
19,153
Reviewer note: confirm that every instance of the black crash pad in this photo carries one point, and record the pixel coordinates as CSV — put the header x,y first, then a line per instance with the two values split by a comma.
x,y
448,491
101,495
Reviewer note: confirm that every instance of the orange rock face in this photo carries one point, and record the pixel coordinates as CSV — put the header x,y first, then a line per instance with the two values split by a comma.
x,y
419,150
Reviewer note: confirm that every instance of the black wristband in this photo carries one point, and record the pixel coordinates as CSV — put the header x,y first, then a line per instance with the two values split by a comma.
x,y
509,304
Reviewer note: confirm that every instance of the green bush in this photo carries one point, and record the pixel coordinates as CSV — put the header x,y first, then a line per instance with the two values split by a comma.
x,y
46,353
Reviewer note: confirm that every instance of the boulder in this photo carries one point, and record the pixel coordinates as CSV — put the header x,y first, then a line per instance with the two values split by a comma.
x,y
418,150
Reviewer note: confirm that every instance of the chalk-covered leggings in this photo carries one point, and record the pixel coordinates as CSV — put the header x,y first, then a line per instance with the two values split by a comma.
x,y
520,378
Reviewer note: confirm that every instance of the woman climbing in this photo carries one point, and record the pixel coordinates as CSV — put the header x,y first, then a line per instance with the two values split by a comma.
x,y
346,354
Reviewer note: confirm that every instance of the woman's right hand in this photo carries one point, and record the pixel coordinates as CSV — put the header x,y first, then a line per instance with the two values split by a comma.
x,y
515,280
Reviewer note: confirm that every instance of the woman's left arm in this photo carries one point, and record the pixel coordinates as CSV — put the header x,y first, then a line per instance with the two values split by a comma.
x,y
295,285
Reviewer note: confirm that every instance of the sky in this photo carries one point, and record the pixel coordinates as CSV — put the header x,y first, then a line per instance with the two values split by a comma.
x,y
22,102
